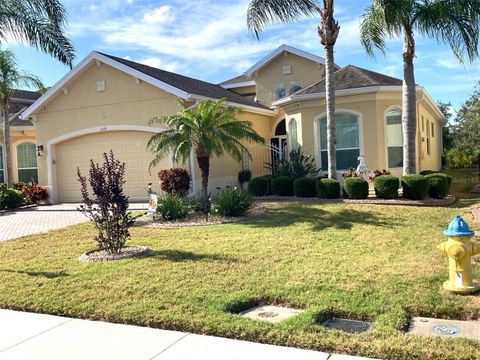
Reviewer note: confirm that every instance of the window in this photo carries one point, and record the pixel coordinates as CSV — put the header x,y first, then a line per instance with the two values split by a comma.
x,y
423,123
292,132
428,137
27,163
280,91
348,141
2,176
286,69
394,139
433,129
294,88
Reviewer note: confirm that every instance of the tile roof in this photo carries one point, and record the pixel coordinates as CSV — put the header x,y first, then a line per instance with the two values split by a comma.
x,y
30,96
237,79
352,77
21,99
187,84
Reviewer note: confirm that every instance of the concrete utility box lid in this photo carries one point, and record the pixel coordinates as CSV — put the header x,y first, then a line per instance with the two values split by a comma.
x,y
458,227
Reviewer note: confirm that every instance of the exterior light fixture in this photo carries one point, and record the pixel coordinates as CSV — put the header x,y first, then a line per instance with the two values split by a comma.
x,y
39,150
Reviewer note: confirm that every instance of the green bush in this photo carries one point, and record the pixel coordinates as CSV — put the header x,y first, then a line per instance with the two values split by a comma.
x,y
259,186
438,185
428,172
460,158
386,186
328,189
415,187
282,186
304,187
355,188
10,198
233,202
173,207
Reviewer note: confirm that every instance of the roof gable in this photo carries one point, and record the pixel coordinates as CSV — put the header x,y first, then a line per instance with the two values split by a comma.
x,y
278,51
181,86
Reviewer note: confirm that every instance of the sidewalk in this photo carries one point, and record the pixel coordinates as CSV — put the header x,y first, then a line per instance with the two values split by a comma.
x,y
36,336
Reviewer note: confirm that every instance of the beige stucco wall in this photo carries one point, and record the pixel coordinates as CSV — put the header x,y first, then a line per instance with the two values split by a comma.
x,y
303,70
425,119
244,90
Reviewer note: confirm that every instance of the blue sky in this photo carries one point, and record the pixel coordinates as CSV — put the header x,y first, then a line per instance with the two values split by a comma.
x,y
209,40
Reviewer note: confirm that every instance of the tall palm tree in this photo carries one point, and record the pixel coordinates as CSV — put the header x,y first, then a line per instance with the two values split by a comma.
x,y
454,22
11,77
263,12
38,23
211,129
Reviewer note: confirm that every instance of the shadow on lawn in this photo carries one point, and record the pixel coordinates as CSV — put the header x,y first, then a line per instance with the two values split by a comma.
x,y
321,219
45,274
179,256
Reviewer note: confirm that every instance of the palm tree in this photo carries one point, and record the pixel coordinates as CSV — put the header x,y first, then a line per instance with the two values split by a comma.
x,y
38,23
10,79
454,22
211,128
263,12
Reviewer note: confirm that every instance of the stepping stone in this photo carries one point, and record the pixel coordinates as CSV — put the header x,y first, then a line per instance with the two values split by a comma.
x,y
273,314
445,328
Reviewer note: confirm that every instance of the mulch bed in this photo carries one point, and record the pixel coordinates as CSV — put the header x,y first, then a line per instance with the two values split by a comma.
x,y
125,253
198,219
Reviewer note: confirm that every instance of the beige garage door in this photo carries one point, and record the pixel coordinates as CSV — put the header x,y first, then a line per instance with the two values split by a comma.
x,y
128,147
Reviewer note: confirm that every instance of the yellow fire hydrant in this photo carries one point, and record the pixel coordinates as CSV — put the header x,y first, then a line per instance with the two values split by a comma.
x,y
459,248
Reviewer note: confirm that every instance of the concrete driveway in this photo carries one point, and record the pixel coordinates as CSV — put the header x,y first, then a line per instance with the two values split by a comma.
x,y
41,219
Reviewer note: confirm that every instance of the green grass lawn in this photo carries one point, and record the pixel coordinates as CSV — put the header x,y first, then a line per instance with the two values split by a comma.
x,y
365,262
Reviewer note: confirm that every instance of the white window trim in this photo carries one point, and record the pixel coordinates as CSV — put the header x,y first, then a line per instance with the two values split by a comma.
x,y
390,108
19,142
316,135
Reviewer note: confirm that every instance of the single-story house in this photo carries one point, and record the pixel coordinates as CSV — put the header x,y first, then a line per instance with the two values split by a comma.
x,y
106,103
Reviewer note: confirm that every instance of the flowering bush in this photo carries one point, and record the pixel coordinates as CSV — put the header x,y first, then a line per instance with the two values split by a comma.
x,y
33,193
175,181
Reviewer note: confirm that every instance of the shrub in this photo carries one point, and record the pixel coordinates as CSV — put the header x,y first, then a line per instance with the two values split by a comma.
x,y
352,172
299,164
10,198
173,207
458,158
33,193
438,185
377,173
233,202
304,187
282,186
244,176
386,186
355,188
415,187
427,172
259,186
108,209
175,181
328,189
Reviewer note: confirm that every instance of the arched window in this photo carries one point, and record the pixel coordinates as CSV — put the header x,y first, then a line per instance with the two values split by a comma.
x,y
27,162
2,176
347,140
295,88
394,138
281,93
292,133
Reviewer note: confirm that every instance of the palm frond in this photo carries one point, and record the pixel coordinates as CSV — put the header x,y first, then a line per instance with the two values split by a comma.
x,y
260,13
372,29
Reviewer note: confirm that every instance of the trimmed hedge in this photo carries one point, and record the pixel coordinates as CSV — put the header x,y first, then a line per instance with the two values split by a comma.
x,y
355,188
415,187
438,185
328,189
259,186
282,186
386,186
428,172
304,187
10,198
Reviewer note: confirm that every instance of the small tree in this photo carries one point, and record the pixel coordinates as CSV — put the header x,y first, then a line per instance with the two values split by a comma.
x,y
108,208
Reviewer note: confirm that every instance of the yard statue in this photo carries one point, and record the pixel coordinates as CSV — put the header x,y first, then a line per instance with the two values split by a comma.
x,y
362,170
460,249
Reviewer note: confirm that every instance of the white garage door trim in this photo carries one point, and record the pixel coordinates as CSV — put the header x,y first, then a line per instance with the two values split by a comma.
x,y
51,170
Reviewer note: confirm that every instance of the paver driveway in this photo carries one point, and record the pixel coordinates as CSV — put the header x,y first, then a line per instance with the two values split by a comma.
x,y
15,224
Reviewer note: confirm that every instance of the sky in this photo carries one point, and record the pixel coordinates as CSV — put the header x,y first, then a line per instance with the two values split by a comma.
x,y
209,40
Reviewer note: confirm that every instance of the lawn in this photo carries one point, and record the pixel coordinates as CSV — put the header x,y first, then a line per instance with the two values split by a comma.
x,y
366,262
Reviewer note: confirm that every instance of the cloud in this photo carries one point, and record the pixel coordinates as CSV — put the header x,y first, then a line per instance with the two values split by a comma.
x,y
159,15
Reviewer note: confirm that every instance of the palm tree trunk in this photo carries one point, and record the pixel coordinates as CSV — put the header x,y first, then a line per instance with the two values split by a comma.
x,y
204,164
409,121
7,157
328,33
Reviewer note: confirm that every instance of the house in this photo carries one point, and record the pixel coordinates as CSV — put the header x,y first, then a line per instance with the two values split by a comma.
x,y
106,103
22,139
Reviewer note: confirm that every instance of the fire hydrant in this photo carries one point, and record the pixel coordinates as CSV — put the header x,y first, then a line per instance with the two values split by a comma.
x,y
460,249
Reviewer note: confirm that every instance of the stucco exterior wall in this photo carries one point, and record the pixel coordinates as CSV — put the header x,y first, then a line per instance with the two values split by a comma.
x,y
267,78
18,137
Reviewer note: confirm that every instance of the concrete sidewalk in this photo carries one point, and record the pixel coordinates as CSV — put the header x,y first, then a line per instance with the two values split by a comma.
x,y
36,336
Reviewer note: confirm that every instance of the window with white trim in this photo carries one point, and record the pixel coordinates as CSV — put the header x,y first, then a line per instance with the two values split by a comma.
x,y
27,162
292,132
347,136
2,174
280,91
394,138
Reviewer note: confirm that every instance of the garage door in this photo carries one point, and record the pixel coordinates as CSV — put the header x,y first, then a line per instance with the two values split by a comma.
x,y
128,146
